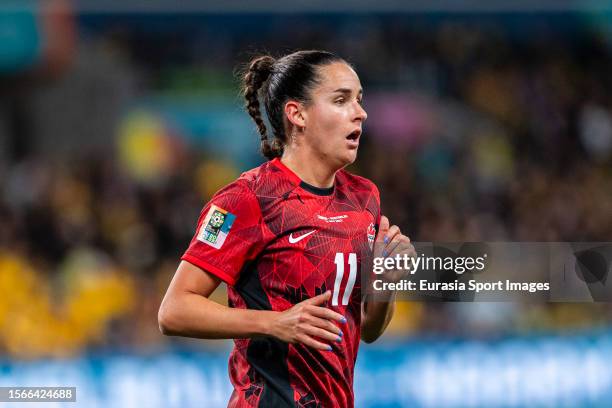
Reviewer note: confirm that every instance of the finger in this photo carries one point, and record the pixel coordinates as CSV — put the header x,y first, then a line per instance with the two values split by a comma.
x,y
406,246
319,299
326,313
323,334
410,249
325,324
310,342
403,247
382,229
391,248
391,233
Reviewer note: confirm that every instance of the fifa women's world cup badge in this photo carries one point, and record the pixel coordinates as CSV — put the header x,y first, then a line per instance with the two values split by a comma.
x,y
215,226
371,235
216,221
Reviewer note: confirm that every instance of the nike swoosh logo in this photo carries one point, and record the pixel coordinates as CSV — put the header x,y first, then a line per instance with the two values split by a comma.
x,y
301,237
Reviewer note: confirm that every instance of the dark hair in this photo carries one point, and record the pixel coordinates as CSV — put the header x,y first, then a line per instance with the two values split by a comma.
x,y
276,81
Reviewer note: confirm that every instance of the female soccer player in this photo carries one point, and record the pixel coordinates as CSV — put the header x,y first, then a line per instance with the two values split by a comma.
x,y
289,239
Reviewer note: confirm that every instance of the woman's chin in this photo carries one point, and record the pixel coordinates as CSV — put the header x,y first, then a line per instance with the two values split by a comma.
x,y
349,157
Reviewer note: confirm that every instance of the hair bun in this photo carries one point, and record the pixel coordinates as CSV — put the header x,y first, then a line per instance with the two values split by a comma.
x,y
262,66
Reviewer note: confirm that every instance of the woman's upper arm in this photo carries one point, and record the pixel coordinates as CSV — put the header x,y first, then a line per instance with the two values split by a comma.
x,y
187,281
189,278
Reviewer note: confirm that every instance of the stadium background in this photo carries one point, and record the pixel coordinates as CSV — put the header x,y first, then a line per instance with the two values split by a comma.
x,y
490,121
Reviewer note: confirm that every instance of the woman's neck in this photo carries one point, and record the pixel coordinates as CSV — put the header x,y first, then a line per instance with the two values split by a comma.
x,y
309,168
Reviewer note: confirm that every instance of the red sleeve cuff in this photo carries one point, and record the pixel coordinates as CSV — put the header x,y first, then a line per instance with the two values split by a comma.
x,y
209,268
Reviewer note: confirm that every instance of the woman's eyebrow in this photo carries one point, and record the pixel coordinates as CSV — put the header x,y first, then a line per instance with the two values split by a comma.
x,y
347,91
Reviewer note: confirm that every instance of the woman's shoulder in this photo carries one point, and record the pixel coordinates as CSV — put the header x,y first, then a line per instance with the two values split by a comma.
x,y
253,179
255,176
354,181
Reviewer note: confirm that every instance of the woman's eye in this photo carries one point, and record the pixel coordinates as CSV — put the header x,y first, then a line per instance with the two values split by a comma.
x,y
339,101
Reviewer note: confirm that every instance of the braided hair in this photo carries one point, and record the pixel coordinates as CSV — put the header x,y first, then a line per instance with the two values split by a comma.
x,y
291,77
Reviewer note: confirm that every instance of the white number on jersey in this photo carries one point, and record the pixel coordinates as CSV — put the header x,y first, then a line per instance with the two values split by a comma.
x,y
352,261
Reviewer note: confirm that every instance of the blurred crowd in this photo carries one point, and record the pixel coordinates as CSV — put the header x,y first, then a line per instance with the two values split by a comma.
x,y
475,134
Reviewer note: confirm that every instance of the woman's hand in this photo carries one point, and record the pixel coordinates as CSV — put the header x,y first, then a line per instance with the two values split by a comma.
x,y
391,242
307,322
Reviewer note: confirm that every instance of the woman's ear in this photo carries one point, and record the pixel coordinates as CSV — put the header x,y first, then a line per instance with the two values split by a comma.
x,y
294,111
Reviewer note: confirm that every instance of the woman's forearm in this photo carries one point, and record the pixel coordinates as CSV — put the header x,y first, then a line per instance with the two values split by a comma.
x,y
187,311
193,315
376,316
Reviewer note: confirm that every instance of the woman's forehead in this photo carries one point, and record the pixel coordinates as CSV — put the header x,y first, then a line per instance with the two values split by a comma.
x,y
338,76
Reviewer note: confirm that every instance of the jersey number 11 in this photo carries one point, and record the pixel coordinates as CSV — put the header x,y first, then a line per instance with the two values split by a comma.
x,y
339,261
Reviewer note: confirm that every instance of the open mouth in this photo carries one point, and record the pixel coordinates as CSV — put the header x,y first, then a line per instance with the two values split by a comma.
x,y
354,136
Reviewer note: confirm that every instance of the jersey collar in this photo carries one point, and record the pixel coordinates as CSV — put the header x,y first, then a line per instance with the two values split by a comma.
x,y
321,191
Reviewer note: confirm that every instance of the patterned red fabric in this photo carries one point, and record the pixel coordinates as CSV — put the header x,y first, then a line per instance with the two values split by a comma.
x,y
289,242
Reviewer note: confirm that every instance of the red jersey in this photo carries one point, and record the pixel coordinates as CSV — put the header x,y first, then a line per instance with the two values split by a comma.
x,y
277,241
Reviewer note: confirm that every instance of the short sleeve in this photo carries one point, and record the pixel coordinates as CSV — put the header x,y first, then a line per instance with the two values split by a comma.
x,y
228,234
